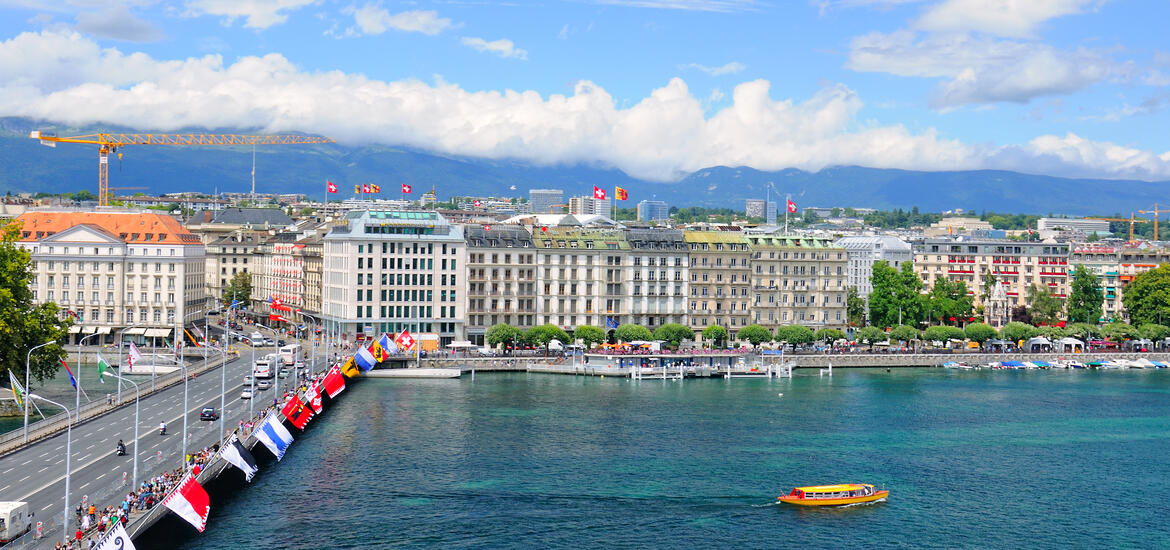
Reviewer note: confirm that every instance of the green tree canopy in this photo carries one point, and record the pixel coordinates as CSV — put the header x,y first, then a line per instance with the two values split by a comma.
x,y
871,335
1084,300
542,335
936,333
1053,333
1118,332
1154,331
589,335
755,334
715,334
829,335
980,332
793,334
896,297
988,285
904,333
949,300
854,307
23,323
238,288
1044,306
1084,331
674,333
1014,332
503,334
630,332
1147,297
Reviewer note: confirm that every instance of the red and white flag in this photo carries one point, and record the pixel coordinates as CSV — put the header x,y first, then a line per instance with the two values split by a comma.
x,y
334,382
598,193
134,357
332,187
791,206
297,412
405,188
477,203
313,397
190,502
404,340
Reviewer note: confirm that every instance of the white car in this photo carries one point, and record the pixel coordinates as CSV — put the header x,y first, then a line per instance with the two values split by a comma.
x,y
262,385
246,394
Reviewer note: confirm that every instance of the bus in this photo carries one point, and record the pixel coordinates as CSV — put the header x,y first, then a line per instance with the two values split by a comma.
x,y
289,354
262,369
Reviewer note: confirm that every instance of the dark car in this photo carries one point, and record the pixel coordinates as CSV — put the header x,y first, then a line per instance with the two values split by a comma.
x,y
280,343
208,414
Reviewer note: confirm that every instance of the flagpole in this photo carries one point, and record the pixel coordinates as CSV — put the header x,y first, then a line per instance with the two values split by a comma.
x,y
787,199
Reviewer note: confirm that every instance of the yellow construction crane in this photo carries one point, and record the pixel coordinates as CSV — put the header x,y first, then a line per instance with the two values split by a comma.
x,y
1131,219
1155,212
111,143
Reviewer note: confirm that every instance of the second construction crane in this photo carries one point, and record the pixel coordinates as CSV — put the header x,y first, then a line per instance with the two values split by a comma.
x,y
111,143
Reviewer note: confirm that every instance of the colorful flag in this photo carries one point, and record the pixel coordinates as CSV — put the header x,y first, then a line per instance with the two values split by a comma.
x,y
388,346
334,382
190,502
239,456
598,193
117,539
357,189
313,397
134,356
378,353
72,380
331,187
376,188
17,391
477,203
405,188
275,436
405,340
610,322
791,206
103,366
621,194
364,358
297,412
350,369
487,228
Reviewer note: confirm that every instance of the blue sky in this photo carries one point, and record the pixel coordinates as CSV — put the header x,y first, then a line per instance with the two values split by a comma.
x,y
657,88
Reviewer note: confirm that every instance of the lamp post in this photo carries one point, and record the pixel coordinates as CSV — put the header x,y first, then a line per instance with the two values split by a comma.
x,y
77,390
68,463
136,393
27,370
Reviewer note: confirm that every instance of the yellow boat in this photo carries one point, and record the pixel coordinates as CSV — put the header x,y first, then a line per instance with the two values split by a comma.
x,y
833,495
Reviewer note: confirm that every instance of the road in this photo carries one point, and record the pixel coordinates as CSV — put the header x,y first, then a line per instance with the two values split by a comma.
x,y
36,473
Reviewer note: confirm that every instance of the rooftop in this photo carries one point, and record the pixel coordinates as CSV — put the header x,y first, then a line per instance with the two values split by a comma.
x,y
131,227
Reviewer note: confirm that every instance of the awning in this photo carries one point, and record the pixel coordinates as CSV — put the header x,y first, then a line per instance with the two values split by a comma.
x,y
157,332
74,329
461,344
104,330
89,330
134,331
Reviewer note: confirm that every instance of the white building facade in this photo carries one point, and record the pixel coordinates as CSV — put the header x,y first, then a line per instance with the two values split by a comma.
x,y
865,251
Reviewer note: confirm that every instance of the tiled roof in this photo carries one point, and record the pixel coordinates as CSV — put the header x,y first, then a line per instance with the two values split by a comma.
x,y
712,237
131,227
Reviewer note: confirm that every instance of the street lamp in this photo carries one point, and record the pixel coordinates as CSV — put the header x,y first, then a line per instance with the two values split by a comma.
x,y
77,390
27,370
68,463
120,380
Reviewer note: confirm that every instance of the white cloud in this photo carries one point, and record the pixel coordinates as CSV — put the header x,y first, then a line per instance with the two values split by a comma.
x,y
373,19
724,6
258,14
730,68
564,34
979,70
502,47
116,22
1014,18
67,78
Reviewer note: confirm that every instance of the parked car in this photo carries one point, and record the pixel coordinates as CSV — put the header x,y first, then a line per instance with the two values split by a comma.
x,y
208,414
262,385
246,394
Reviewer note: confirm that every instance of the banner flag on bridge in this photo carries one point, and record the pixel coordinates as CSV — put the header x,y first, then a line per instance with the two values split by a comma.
x,y
297,412
72,380
239,456
313,397
134,356
18,392
364,358
103,366
275,436
350,369
334,382
116,540
190,502
387,344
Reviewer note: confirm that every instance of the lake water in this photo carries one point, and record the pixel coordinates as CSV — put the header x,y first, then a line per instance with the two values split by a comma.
x,y
973,459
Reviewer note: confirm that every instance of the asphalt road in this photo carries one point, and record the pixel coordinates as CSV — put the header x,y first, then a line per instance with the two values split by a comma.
x,y
36,473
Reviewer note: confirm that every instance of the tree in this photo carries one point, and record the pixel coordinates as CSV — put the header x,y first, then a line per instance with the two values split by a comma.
x,y
1014,332
1044,306
238,288
903,333
980,332
936,333
1118,332
896,297
503,335
674,333
23,323
589,335
755,334
542,335
1053,333
871,336
1084,331
829,335
1084,300
631,332
948,301
1147,297
1154,331
716,334
989,282
854,307
794,334
954,333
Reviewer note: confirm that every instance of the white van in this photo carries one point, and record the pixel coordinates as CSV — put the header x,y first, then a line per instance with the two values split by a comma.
x,y
262,369
14,520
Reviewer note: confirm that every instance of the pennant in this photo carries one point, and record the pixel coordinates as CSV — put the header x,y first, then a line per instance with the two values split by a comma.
x,y
275,436
190,502
334,382
621,194
598,193
72,380
331,187
297,413
17,391
313,397
239,456
364,358
405,340
791,206
350,369
135,356
103,366
117,539
405,188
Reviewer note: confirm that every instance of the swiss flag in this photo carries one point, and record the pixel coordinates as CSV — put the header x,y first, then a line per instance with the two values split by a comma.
x,y
334,382
487,228
477,203
313,397
404,340
405,188
791,206
365,188
598,193
297,412
332,187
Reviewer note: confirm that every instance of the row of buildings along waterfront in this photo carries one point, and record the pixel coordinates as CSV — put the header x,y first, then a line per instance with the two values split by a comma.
x,y
382,268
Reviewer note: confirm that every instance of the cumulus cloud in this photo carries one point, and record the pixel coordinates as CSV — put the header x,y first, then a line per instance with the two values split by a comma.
x,y
117,23
374,19
257,14
502,47
979,69
730,68
64,77
1013,18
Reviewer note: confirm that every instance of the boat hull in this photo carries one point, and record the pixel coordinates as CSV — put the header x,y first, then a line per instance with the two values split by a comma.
x,y
878,495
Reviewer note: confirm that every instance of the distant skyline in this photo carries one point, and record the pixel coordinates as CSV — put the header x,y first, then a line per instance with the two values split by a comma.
x,y
657,88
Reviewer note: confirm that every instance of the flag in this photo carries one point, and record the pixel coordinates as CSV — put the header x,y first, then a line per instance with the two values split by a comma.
x,y
297,412
477,203
791,206
487,228
331,187
364,358
17,391
350,368
405,188
275,436
376,188
598,193
313,397
274,301
357,189
190,502
117,539
404,340
388,346
134,357
239,456
72,380
621,194
103,366
334,382
610,322
378,353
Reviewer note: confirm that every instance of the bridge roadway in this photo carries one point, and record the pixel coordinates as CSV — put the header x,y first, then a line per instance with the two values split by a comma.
x,y
36,473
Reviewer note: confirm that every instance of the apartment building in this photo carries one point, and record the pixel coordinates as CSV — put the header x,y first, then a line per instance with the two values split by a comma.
x,y
720,280
282,271
386,271
657,277
589,206
139,271
797,280
1017,265
581,276
1104,261
236,252
863,252
501,279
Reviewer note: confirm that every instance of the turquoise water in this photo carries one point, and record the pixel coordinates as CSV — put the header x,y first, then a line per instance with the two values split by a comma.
x,y
973,459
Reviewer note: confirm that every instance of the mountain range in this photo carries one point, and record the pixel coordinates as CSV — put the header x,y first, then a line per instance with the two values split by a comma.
x,y
27,166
